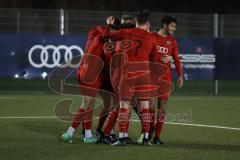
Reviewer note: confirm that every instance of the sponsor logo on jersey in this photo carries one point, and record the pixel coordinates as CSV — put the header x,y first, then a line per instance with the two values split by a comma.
x,y
163,50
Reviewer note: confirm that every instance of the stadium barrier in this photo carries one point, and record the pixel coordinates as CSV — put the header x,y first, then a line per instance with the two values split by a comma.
x,y
205,60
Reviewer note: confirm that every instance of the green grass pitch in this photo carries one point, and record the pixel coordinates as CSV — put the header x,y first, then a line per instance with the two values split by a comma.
x,y
39,138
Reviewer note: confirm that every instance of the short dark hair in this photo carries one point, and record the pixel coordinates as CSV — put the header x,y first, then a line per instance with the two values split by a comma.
x,y
127,17
167,20
117,24
143,17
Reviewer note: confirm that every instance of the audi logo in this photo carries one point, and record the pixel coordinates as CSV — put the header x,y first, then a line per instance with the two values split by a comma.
x,y
162,49
55,53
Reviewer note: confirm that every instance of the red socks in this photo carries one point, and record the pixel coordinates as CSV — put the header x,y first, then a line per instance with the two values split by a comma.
x,y
152,119
102,118
123,118
159,124
84,116
88,119
78,118
111,120
145,119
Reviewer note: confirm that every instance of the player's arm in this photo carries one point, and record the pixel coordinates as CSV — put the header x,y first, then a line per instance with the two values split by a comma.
x,y
117,35
154,49
177,64
88,44
91,35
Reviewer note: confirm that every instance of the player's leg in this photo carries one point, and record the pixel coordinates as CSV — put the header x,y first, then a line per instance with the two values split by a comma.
x,y
109,112
109,136
113,135
152,105
128,140
162,104
145,120
103,114
88,104
123,118
133,104
84,115
109,102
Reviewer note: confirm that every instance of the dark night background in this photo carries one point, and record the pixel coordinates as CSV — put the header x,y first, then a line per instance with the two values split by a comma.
x,y
180,6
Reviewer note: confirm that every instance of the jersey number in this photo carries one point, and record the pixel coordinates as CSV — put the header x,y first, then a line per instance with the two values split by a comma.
x,y
138,46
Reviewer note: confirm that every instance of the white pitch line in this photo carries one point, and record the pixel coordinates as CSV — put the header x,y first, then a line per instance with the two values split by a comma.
x,y
134,120
30,117
198,125
203,125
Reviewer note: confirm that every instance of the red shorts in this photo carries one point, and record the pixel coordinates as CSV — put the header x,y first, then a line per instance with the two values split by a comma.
x,y
136,85
165,84
164,97
88,87
91,86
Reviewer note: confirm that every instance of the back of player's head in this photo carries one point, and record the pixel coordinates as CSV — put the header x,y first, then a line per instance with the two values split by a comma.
x,y
116,25
127,18
143,17
127,21
167,20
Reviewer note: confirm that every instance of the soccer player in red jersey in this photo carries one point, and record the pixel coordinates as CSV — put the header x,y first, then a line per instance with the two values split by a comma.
x,y
84,114
91,62
137,45
109,137
166,48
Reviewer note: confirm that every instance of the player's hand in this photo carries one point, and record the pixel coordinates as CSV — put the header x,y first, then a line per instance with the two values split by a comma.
x,y
180,82
166,58
110,20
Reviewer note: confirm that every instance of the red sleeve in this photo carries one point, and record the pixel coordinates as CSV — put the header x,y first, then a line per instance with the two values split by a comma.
x,y
91,35
96,47
154,45
176,59
117,35
154,49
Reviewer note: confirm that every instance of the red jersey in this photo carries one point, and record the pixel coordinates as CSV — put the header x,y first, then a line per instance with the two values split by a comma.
x,y
94,55
167,46
93,33
136,43
108,52
91,60
92,73
132,78
96,46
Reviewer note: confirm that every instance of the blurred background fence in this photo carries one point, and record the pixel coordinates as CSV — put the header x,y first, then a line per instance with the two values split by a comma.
x,y
79,22
198,34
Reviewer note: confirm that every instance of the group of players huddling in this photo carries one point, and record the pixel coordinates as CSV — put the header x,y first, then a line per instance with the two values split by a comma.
x,y
137,69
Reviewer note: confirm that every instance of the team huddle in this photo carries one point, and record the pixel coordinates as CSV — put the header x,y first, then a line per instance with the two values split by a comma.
x,y
130,67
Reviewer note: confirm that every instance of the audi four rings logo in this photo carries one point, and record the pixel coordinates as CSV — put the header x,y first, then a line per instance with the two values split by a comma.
x,y
162,49
54,53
